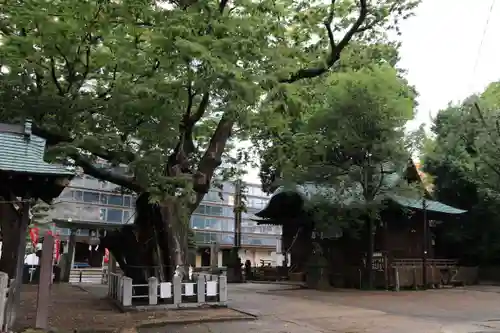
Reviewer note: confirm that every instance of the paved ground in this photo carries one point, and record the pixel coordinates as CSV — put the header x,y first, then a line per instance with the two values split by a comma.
x,y
281,310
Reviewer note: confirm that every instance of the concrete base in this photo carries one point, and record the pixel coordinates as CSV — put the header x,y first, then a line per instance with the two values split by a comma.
x,y
159,307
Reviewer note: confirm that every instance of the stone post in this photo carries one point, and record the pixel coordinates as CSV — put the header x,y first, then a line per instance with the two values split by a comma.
x,y
70,257
126,291
200,288
4,284
43,301
177,290
153,290
223,289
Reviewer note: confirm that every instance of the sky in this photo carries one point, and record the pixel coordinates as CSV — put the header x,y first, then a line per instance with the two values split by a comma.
x,y
442,52
446,54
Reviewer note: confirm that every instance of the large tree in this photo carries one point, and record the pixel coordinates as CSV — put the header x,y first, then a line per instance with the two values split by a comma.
x,y
462,158
349,142
163,87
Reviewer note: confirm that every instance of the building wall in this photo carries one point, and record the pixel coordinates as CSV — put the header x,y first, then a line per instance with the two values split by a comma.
x,y
88,199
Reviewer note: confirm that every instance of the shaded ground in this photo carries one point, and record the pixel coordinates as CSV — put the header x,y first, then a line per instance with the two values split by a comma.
x,y
73,309
281,310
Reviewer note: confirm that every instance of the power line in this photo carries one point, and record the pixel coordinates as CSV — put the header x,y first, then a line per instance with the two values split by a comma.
x,y
480,48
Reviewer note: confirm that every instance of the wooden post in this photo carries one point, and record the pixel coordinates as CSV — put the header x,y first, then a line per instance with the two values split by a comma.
x,y
214,256
222,290
177,290
415,284
200,288
425,244
396,278
153,290
43,301
4,284
111,264
70,256
21,250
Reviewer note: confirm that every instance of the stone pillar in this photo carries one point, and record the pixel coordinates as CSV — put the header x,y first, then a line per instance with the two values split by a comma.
x,y
70,257
214,255
111,264
43,301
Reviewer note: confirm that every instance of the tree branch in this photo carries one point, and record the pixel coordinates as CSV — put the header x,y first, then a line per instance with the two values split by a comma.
x,y
335,49
54,76
222,5
202,107
106,174
212,157
109,155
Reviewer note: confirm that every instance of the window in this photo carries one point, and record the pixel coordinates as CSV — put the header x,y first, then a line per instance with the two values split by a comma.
x,y
212,196
126,216
104,198
228,211
102,214
209,210
228,240
200,209
116,200
126,201
78,195
212,224
197,222
115,215
227,225
214,210
66,194
91,197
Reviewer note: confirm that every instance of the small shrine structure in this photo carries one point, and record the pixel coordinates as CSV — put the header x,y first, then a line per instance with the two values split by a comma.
x,y
24,178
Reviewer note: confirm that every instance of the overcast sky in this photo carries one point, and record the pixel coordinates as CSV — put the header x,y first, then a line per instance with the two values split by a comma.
x,y
440,48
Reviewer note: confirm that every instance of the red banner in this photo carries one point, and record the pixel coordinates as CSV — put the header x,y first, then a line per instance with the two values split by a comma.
x,y
34,236
57,246
106,256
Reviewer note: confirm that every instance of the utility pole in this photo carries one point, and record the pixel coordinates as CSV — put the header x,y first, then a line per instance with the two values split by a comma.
x,y
425,245
238,206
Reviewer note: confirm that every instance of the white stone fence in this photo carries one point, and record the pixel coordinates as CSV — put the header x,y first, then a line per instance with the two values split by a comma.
x,y
7,314
202,290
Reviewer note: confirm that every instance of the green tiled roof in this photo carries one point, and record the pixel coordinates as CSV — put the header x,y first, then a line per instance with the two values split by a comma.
x,y
22,151
430,205
353,193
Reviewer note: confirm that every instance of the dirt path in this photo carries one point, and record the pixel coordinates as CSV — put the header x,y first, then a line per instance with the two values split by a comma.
x,y
74,309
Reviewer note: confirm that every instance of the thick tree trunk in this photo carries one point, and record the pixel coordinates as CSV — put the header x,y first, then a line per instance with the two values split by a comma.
x,y
176,215
9,222
157,243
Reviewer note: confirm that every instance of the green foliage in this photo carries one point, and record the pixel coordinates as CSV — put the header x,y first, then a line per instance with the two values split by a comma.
x,y
145,85
349,141
462,159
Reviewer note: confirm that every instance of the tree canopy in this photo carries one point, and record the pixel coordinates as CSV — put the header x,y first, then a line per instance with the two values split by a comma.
x,y
138,83
461,157
166,88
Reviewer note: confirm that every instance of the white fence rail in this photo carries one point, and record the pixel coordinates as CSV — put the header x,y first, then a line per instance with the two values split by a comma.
x,y
6,302
203,289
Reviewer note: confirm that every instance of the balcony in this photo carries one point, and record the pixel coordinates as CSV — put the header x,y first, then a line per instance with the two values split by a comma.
x,y
207,237
87,212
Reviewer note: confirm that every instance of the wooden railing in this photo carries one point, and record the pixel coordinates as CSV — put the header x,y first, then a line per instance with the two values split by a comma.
x,y
438,263
7,313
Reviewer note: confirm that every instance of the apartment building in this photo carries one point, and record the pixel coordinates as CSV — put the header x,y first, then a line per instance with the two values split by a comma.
x,y
91,202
